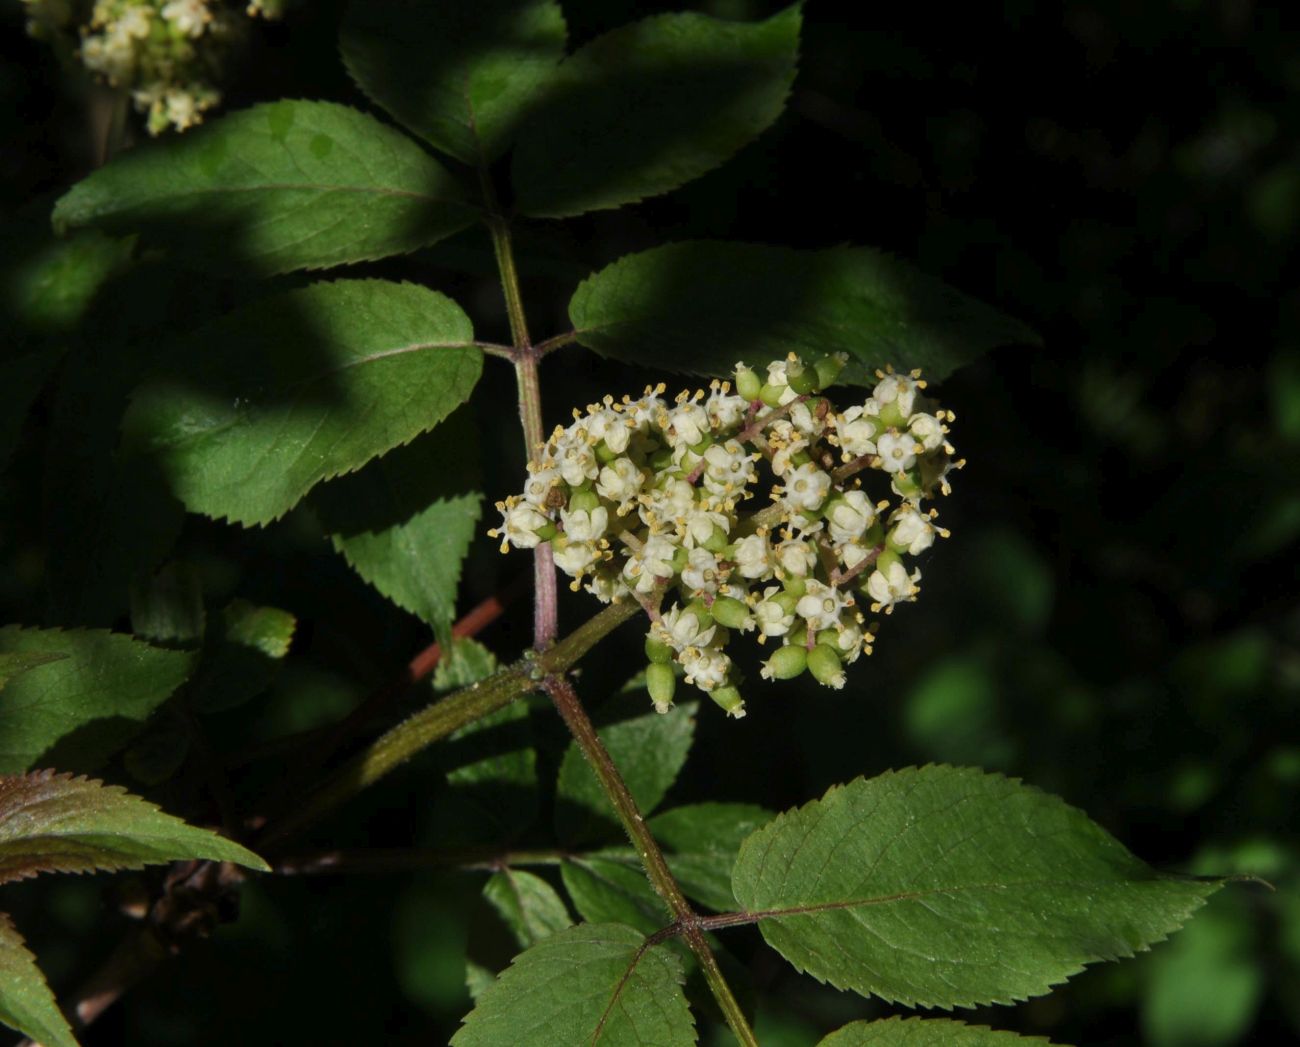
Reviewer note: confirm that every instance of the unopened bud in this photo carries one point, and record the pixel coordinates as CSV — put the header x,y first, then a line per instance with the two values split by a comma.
x,y
829,368
729,611
786,663
657,651
748,384
661,682
825,665
730,701
771,394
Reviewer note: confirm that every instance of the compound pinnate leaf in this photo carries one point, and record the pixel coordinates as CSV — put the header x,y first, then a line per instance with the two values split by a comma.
x,y
924,1032
26,1003
281,186
58,823
460,75
651,106
649,752
98,684
300,387
701,305
594,984
951,887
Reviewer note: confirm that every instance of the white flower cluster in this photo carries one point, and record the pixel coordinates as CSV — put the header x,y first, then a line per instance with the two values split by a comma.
x,y
166,53
643,498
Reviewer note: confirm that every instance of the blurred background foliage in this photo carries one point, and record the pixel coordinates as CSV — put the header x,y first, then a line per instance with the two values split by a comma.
x,y
1114,619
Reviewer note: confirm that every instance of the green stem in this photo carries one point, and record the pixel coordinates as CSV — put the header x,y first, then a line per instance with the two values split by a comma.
x,y
652,858
443,717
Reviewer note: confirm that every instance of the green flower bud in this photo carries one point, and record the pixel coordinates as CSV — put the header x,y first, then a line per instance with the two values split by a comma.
x,y
729,611
680,559
795,585
604,455
748,384
803,380
717,541
657,651
829,368
706,441
701,612
786,599
830,637
771,394
800,458
583,500
546,532
729,699
661,458
661,682
787,663
825,665
892,417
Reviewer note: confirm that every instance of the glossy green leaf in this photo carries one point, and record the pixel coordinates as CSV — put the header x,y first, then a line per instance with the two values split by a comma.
x,y
99,691
405,522
923,1032
461,75
592,984
57,823
281,186
701,306
701,842
614,890
648,750
299,387
651,106
951,887
26,1003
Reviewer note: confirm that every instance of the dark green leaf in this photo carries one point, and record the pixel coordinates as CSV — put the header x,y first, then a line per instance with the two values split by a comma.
x,y
951,887
592,984
100,691
701,306
614,890
167,607
648,750
649,107
26,1003
258,410
467,662
244,656
493,794
57,823
461,75
701,841
530,910
15,663
923,1032
281,186
405,521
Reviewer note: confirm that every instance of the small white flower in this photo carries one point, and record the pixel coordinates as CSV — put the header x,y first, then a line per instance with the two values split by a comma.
x,y
133,22
851,554
927,429
849,638
575,458
771,618
539,484
753,557
850,516
620,481
912,530
680,628
897,451
821,605
686,424
585,525
803,421
651,565
893,586
575,557
701,572
725,411
706,667
856,429
521,524
191,17
899,390
613,427
796,557
605,587
728,467
699,525
777,378
806,488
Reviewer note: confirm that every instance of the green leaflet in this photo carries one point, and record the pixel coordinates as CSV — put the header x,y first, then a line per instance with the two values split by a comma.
x,y
103,686
57,823
405,522
701,841
951,887
518,910
703,305
651,106
299,387
281,186
590,984
26,1003
613,890
461,75
649,751
923,1032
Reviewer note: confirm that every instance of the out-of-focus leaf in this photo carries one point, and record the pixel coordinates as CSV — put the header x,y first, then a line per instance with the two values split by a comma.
x,y
951,887
160,750
167,607
493,787
651,106
57,823
284,185
460,75
923,1032
594,983
21,379
701,841
258,410
91,701
26,1003
701,306
648,750
244,656
530,910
